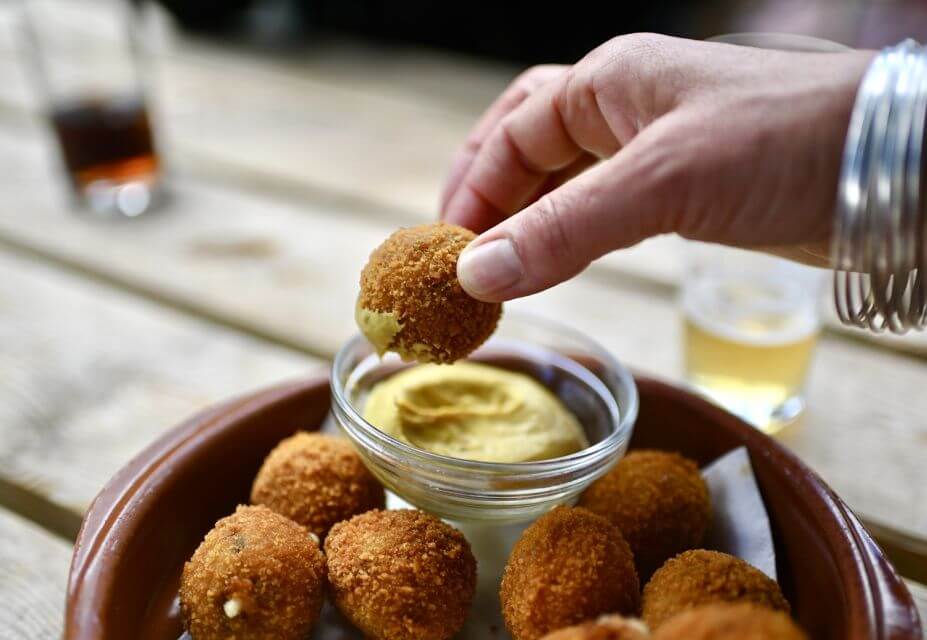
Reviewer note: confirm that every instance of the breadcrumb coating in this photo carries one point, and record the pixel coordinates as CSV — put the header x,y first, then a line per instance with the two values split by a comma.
x,y
659,501
730,622
568,567
401,575
411,281
611,627
703,577
256,575
316,480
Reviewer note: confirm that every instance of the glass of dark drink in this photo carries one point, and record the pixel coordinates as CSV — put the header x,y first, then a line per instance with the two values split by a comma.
x,y
85,59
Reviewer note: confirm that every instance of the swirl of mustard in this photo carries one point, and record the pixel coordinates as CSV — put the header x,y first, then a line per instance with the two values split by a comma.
x,y
476,412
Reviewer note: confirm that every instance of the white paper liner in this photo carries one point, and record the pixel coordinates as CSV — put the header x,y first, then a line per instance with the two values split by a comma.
x,y
740,523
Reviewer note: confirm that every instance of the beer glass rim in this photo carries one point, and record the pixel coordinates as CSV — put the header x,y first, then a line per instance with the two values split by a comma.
x,y
780,40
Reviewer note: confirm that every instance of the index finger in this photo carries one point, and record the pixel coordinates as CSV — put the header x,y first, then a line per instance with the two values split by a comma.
x,y
516,93
546,133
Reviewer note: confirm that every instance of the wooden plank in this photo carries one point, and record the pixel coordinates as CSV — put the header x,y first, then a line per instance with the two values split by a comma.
x,y
284,270
90,375
864,431
33,577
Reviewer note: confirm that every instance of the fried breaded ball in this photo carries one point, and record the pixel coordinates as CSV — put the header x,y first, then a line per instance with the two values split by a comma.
x,y
256,575
568,567
412,303
611,627
702,577
730,622
316,480
659,501
401,575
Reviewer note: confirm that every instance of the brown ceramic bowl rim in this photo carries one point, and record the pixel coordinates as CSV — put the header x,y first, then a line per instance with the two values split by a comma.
x,y
878,600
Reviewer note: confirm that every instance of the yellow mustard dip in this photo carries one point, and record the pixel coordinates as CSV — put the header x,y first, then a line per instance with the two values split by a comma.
x,y
378,327
476,412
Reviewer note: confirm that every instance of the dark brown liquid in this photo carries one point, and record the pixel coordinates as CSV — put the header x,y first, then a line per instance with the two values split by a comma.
x,y
105,140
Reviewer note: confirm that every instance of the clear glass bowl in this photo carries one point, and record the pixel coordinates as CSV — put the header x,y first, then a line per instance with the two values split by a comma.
x,y
591,383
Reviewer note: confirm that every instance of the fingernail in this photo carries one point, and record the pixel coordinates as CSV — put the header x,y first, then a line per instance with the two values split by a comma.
x,y
489,268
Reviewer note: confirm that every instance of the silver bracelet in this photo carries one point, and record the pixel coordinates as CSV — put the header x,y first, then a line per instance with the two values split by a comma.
x,y
880,232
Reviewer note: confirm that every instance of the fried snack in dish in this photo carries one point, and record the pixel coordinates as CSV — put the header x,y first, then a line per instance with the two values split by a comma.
x,y
401,575
316,480
568,567
701,577
412,303
256,575
611,627
659,501
730,622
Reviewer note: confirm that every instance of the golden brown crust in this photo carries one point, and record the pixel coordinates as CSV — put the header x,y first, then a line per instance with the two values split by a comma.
x,y
316,480
413,275
703,577
401,575
611,627
568,567
730,622
268,564
659,501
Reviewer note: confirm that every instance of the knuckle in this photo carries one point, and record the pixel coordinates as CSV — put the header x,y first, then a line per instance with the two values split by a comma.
x,y
636,43
670,168
473,143
507,139
577,99
639,71
533,77
625,47
548,227
628,54
576,79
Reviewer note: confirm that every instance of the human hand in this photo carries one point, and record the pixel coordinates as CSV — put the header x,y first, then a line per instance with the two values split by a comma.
x,y
715,142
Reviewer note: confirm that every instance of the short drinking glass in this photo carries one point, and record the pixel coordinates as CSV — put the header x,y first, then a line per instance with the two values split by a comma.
x,y
84,59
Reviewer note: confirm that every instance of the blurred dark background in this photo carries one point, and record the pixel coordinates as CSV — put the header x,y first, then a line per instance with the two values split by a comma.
x,y
535,32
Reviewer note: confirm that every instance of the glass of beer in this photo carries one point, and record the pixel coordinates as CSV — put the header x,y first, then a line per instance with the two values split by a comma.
x,y
751,322
84,59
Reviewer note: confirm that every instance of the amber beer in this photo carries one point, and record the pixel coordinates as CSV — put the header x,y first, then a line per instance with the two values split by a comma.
x,y
748,343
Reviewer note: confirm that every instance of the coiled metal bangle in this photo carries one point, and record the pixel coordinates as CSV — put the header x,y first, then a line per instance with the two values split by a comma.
x,y
880,232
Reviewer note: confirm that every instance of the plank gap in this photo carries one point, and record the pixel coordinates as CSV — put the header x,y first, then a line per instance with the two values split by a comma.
x,y
36,508
198,311
907,553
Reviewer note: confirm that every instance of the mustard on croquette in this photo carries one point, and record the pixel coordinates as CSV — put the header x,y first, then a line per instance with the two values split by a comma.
x,y
659,501
401,575
316,480
568,567
256,575
411,302
730,622
611,627
701,577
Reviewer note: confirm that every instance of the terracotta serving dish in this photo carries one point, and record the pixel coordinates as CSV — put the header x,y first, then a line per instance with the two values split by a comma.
x,y
151,516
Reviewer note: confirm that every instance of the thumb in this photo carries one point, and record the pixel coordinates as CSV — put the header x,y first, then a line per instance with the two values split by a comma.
x,y
613,205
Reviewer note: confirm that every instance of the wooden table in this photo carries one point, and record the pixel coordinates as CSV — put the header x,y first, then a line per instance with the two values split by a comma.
x,y
285,173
